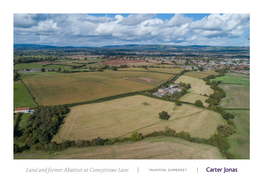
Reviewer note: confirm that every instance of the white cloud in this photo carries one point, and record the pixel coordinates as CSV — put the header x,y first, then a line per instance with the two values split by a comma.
x,y
138,28
178,20
134,19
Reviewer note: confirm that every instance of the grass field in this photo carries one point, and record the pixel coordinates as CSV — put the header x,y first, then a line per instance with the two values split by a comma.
x,y
21,97
240,141
230,79
164,70
149,148
237,75
58,88
198,86
22,122
28,65
237,96
201,75
55,67
193,97
120,117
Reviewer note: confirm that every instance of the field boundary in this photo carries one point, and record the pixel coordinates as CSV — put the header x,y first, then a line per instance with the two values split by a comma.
x,y
236,108
117,96
150,71
29,93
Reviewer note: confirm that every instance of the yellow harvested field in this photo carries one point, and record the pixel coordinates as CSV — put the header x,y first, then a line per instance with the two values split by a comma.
x,y
121,117
65,88
162,70
198,86
159,61
193,97
149,148
201,75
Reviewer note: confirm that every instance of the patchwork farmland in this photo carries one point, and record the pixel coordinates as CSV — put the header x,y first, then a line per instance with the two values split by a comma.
x,y
57,89
123,116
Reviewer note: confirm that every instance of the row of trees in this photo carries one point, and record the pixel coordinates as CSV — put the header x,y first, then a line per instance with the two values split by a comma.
x,y
33,59
217,140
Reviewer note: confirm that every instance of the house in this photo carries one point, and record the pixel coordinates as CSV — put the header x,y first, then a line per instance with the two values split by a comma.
x,y
24,110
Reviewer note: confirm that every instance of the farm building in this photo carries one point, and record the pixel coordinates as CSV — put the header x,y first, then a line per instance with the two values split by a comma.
x,y
174,85
24,110
169,90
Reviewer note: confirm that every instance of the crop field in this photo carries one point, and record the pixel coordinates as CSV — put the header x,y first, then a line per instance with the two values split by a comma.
x,y
28,65
198,86
21,97
164,70
118,62
240,141
121,117
237,96
59,88
149,148
201,75
193,97
233,78
160,62
237,75
55,67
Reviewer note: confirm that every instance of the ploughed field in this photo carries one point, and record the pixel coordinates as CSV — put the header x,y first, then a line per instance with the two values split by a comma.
x,y
149,148
66,88
121,117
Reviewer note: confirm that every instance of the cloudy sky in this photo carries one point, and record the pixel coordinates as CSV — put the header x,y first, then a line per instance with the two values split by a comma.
x,y
119,29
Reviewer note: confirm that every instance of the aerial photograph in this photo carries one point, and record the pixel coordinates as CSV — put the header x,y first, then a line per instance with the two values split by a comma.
x,y
131,86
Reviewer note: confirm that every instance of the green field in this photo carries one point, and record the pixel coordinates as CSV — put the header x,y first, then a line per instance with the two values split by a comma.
x,y
28,65
240,141
198,86
55,67
21,96
201,75
121,117
234,78
64,88
149,148
22,122
237,96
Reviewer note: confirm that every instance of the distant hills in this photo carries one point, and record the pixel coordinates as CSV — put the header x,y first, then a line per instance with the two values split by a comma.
x,y
133,47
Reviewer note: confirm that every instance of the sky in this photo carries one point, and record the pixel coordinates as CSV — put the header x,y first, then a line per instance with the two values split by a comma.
x,y
120,29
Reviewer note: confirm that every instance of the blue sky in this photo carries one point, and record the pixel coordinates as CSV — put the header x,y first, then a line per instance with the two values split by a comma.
x,y
119,29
